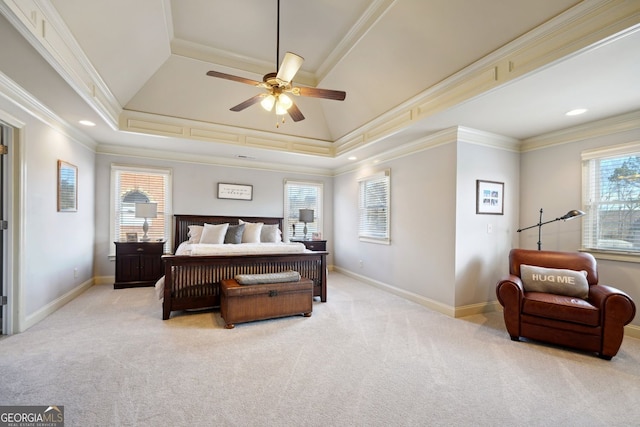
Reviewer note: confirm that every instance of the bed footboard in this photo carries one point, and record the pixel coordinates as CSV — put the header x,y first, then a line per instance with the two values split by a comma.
x,y
193,282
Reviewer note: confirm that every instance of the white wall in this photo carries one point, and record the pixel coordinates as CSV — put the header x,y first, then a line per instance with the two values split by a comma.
x,y
440,253
47,276
420,261
195,190
482,256
551,179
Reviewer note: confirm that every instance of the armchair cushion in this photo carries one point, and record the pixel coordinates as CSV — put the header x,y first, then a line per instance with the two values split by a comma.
x,y
555,281
561,307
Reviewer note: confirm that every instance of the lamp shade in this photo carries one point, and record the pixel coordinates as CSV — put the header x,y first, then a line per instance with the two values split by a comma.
x,y
572,214
306,215
146,210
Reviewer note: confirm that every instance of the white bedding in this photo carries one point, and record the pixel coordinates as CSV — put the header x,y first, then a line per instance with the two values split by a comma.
x,y
202,249
194,249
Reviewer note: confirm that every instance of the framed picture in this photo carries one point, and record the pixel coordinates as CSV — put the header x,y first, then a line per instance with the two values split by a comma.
x,y
489,197
67,187
316,236
235,191
132,237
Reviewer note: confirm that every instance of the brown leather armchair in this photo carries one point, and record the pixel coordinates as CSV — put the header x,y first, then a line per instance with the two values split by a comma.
x,y
595,324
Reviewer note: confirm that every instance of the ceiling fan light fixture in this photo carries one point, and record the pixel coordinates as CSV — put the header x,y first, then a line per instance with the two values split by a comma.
x,y
267,103
284,101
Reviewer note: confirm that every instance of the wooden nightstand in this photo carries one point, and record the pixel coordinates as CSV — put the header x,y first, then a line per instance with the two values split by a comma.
x,y
314,245
138,264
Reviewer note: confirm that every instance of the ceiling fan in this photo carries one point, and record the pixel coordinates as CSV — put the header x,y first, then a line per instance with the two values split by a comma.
x,y
278,84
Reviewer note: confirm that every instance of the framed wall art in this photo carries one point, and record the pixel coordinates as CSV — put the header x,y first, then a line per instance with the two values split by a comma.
x,y
235,191
67,187
489,197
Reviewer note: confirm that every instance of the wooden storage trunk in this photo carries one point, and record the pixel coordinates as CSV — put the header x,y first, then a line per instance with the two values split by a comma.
x,y
246,303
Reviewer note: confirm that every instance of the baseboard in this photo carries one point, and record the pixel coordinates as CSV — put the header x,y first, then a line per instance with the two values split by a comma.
x,y
419,299
632,331
462,311
54,305
105,280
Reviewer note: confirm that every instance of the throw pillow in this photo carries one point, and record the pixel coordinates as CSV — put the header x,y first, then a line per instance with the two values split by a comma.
x,y
558,281
214,233
195,232
270,234
252,231
234,234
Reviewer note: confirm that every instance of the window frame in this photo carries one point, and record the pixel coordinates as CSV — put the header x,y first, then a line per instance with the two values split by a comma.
x,y
317,225
591,161
366,234
117,169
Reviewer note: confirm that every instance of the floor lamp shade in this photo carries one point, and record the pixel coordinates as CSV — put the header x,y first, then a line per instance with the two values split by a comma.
x,y
569,215
146,210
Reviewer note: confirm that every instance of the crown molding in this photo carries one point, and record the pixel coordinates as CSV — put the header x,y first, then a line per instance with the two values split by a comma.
x,y
581,28
179,156
155,124
15,94
622,123
41,25
371,16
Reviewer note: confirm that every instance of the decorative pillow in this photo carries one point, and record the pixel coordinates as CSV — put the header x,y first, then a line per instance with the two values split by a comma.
x,y
252,231
195,232
270,234
257,279
571,283
214,233
234,234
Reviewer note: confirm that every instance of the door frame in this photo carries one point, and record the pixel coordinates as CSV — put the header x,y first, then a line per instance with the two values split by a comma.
x,y
14,188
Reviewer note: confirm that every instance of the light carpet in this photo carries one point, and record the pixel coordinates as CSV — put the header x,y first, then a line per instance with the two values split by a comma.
x,y
365,358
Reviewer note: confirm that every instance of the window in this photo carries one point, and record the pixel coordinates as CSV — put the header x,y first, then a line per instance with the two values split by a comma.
x,y
131,185
611,197
301,195
373,208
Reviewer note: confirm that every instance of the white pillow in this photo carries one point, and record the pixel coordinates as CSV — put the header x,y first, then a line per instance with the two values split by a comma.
x,y
252,231
270,234
571,283
195,232
214,233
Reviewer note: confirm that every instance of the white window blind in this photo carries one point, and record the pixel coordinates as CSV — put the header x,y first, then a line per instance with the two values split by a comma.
x,y
611,199
373,208
131,185
302,195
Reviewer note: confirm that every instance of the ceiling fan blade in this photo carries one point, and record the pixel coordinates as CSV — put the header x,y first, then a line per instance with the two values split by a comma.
x,y
289,67
234,78
249,102
295,113
315,92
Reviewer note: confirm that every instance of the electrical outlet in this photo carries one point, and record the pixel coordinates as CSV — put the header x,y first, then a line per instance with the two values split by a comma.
x,y
360,263
75,273
489,228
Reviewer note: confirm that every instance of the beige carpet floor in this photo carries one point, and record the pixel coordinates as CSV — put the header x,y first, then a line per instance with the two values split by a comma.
x,y
365,358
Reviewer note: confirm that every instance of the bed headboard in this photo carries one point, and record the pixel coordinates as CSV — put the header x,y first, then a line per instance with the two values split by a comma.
x,y
182,223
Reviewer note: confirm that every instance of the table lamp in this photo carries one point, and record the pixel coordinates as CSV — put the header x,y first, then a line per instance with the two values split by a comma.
x,y
146,210
306,215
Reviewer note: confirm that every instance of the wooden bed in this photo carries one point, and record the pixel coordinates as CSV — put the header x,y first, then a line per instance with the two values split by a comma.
x,y
192,282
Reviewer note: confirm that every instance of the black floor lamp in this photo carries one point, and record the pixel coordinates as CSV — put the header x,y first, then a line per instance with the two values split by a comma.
x,y
569,215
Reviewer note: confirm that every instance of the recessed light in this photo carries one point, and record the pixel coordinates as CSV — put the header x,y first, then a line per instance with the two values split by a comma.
x,y
352,158
87,123
576,112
